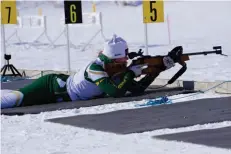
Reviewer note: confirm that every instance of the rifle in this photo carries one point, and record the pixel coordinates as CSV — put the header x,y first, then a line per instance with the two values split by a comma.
x,y
155,63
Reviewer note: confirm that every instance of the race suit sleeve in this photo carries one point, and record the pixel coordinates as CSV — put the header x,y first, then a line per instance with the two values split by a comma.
x,y
97,75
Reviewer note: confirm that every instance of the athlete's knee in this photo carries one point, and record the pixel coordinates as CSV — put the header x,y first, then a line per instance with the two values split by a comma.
x,y
10,98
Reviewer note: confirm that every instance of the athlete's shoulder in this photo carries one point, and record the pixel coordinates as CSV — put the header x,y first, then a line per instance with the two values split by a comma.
x,y
96,67
96,71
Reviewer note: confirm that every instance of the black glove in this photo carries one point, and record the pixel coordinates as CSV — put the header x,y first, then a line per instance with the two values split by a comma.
x,y
176,53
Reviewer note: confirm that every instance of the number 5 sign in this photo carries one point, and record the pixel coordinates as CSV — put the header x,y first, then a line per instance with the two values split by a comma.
x,y
153,11
8,12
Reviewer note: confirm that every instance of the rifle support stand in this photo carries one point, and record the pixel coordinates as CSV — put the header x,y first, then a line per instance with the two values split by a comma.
x,y
9,67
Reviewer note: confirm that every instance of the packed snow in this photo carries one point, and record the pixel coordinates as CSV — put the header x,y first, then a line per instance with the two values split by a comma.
x,y
32,134
193,25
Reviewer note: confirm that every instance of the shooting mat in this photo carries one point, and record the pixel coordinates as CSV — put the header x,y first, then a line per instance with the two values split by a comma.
x,y
149,94
156,117
220,137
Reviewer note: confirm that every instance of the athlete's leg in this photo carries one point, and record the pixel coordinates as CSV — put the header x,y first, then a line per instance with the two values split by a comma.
x,y
39,92
10,98
45,90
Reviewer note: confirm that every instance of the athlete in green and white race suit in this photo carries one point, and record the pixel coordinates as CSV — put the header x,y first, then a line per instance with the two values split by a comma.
x,y
89,83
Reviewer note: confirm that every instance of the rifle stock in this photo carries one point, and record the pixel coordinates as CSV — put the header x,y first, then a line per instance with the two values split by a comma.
x,y
156,60
155,64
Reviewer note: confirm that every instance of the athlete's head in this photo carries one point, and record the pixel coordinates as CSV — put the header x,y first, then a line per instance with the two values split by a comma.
x,y
116,49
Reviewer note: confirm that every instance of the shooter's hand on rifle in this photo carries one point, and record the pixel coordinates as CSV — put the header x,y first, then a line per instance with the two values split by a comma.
x,y
137,69
168,62
176,53
173,56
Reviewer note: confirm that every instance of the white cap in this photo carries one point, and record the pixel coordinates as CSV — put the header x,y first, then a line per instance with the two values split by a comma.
x,y
115,48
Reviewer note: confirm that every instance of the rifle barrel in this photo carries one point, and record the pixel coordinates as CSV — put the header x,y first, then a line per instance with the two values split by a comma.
x,y
203,53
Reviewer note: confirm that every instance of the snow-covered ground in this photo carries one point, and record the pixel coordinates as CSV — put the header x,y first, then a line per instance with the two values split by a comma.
x,y
194,25
32,134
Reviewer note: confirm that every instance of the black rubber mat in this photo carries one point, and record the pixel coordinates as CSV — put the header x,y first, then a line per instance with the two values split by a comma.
x,y
157,117
15,84
220,137
149,93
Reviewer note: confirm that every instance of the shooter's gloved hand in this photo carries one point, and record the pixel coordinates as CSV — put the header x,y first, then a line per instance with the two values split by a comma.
x,y
173,56
168,62
175,53
137,69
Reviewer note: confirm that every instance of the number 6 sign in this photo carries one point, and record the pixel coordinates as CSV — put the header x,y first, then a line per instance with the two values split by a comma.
x,y
153,11
8,12
73,12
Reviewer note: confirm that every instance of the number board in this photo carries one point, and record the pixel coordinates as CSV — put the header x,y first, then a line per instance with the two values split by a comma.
x,y
153,11
8,12
73,12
